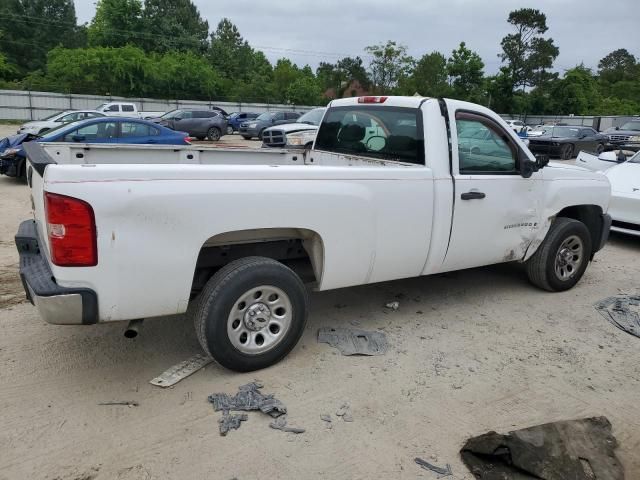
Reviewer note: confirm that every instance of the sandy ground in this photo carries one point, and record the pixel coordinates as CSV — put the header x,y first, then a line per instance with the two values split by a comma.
x,y
471,351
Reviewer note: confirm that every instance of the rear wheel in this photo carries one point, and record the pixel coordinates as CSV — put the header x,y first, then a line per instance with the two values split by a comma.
x,y
562,258
567,152
600,148
213,134
246,137
251,313
229,130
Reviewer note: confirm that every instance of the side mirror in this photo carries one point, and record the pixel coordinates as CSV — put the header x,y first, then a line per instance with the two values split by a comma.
x,y
528,167
617,128
542,161
78,138
621,157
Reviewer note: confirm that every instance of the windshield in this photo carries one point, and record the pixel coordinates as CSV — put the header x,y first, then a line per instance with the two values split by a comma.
x,y
565,132
313,117
635,158
171,114
52,116
99,107
264,116
633,125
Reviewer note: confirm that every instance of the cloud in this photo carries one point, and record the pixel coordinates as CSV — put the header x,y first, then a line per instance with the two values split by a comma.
x,y
311,32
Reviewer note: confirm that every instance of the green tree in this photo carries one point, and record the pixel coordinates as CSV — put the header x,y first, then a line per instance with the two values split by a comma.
x,y
390,63
526,53
174,25
577,93
285,73
184,75
465,69
304,91
30,28
6,69
618,65
340,75
117,23
429,77
230,54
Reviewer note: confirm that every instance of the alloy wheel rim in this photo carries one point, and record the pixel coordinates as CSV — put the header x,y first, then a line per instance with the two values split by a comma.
x,y
569,257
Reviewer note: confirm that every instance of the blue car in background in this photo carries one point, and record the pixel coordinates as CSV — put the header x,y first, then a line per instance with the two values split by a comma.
x,y
235,119
97,130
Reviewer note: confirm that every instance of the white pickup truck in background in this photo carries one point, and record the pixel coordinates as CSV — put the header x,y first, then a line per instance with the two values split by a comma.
x,y
394,187
125,109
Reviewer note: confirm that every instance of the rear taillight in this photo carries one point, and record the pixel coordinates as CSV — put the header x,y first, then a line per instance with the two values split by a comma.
x,y
371,99
188,140
71,228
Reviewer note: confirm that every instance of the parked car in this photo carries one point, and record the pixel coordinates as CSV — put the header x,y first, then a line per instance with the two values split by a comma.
x,y
516,125
237,118
626,136
97,130
197,123
254,128
603,161
38,127
383,198
625,196
300,134
564,142
125,109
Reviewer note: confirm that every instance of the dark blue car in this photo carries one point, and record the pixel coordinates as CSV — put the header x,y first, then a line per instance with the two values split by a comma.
x,y
97,130
235,119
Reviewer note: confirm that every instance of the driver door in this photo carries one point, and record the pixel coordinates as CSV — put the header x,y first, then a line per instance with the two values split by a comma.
x,y
496,211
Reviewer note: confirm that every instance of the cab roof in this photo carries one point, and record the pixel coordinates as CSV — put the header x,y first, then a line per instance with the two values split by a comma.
x,y
382,100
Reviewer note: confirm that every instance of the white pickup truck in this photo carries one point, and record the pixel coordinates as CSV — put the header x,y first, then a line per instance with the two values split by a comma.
x,y
125,109
394,187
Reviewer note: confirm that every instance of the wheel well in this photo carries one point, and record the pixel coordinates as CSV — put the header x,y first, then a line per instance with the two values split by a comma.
x,y
590,215
300,249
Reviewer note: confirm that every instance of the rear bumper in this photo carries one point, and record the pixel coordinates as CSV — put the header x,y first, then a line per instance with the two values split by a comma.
x,y
56,304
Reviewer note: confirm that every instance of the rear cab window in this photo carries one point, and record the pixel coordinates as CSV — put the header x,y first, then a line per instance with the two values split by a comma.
x,y
385,133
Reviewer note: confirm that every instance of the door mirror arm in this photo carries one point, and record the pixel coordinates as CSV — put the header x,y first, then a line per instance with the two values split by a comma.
x,y
528,167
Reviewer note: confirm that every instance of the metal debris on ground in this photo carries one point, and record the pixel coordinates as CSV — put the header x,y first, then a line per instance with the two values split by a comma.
x,y
280,423
354,342
393,306
124,403
181,370
577,449
443,472
622,311
249,397
231,422
327,418
345,413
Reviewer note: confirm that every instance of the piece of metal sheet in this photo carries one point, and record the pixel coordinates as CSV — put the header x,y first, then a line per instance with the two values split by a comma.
x,y
623,312
354,342
181,370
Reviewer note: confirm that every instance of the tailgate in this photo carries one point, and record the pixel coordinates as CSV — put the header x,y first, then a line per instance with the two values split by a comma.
x,y
37,161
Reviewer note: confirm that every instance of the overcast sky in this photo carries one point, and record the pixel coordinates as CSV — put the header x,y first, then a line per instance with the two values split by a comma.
x,y
325,30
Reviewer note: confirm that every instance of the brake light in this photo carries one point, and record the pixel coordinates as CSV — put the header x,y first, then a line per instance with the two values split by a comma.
x,y
188,140
372,99
71,228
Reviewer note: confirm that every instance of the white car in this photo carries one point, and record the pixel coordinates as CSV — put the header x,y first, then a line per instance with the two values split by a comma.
x,y
300,134
126,109
516,125
603,161
625,196
388,191
56,120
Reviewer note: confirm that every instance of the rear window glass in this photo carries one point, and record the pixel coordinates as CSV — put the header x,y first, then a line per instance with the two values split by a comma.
x,y
388,133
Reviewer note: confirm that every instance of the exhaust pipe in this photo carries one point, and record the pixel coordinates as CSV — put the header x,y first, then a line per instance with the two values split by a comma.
x,y
133,328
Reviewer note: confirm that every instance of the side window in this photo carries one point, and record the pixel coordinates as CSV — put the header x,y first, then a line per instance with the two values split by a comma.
x,y
483,148
186,114
112,108
242,116
292,116
96,131
91,115
132,129
72,117
278,116
127,108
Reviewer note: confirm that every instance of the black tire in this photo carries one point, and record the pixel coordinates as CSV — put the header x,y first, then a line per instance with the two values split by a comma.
x,y
600,148
246,138
567,152
212,313
541,267
213,134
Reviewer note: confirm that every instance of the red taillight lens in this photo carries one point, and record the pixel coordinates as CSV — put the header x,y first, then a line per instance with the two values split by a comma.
x,y
188,140
71,228
372,99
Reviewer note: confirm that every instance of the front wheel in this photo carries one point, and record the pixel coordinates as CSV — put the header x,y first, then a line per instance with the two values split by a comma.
x,y
251,313
229,130
213,134
562,258
600,148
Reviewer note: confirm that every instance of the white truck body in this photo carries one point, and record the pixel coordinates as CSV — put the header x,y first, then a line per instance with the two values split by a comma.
x,y
359,219
125,109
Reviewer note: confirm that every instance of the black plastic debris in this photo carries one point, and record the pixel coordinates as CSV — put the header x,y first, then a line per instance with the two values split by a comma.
x,y
280,423
249,397
623,312
443,472
231,422
354,342
568,450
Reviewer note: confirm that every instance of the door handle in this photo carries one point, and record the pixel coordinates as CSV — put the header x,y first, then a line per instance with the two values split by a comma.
x,y
472,196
